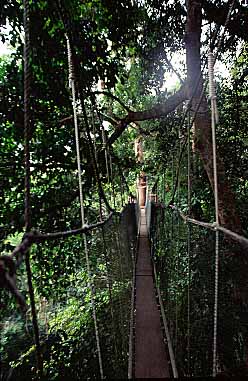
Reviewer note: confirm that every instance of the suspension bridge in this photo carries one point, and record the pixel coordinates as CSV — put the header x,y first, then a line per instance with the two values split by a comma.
x,y
160,282
157,290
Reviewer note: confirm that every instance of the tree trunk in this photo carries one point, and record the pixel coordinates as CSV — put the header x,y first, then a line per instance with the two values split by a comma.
x,y
228,215
203,136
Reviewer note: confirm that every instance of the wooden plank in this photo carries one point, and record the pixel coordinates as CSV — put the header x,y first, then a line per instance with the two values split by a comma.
x,y
150,352
143,266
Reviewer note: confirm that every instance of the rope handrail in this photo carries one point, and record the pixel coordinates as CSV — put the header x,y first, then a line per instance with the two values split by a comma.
x,y
37,237
213,226
20,252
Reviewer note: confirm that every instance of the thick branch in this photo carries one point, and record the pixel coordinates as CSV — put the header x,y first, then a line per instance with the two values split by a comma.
x,y
158,111
114,97
36,237
169,64
109,119
67,119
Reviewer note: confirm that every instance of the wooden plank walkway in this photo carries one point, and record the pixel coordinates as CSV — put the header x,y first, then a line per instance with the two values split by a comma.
x,y
150,352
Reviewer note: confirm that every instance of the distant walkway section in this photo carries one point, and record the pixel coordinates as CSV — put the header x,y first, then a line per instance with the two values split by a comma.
x,y
150,351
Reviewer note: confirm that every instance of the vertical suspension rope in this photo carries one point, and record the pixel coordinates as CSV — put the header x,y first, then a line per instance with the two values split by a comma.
x,y
108,158
131,324
173,241
117,240
27,204
112,179
189,241
178,245
122,192
105,151
224,29
213,121
27,116
90,282
74,106
94,132
108,281
163,188
108,163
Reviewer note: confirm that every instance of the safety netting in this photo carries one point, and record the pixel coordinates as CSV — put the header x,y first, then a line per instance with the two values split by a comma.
x,y
64,308
185,262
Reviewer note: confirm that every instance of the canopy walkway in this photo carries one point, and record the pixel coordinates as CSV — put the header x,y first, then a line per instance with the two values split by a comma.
x,y
150,356
152,291
154,300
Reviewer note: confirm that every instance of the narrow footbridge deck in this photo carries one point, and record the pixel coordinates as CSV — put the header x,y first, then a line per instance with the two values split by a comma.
x,y
150,349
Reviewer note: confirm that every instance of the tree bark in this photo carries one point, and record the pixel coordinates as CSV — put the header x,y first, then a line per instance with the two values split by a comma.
x,y
158,111
228,215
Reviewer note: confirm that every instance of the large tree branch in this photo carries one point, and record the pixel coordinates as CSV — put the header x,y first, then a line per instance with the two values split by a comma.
x,y
109,119
114,97
169,64
158,111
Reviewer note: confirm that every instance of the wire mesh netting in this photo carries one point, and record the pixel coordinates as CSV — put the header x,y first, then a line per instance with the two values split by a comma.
x,y
184,256
62,294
